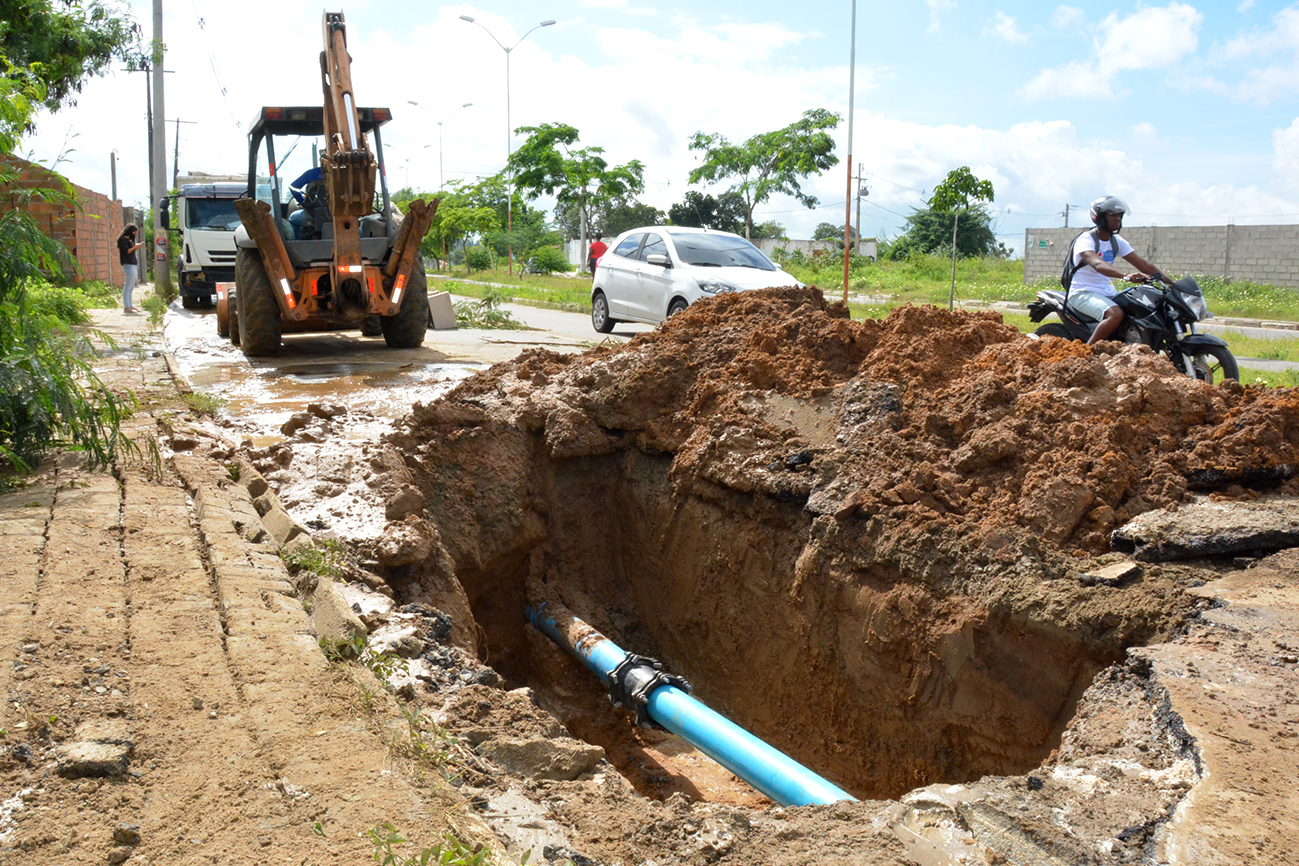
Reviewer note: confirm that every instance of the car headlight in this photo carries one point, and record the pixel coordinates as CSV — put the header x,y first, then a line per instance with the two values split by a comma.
x,y
712,287
1197,305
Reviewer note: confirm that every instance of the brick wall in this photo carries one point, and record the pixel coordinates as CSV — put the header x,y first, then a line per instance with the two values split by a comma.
x,y
1263,254
88,226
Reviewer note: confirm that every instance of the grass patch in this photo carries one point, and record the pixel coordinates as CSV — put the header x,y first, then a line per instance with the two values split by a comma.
x,y
325,557
204,404
1244,346
556,293
1269,378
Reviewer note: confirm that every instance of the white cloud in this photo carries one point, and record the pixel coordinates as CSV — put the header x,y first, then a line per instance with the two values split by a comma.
x,y
1145,133
1068,18
1278,79
1071,81
936,9
1245,6
1150,38
1006,28
1285,146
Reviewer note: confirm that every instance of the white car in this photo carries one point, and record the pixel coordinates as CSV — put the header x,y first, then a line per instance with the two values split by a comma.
x,y
651,273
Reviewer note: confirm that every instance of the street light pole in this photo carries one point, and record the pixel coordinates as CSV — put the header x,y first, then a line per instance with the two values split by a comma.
x,y
509,131
441,178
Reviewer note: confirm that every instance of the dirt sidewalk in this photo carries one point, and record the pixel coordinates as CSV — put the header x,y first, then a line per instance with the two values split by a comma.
x,y
165,697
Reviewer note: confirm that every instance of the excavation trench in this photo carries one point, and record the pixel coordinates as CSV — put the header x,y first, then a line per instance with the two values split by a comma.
x,y
861,541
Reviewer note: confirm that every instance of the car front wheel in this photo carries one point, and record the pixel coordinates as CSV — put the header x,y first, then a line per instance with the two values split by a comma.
x,y
675,307
600,319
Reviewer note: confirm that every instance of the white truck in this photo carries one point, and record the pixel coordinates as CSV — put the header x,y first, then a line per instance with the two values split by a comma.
x,y
206,219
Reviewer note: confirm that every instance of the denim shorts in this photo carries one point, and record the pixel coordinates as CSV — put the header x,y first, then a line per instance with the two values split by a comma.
x,y
1090,305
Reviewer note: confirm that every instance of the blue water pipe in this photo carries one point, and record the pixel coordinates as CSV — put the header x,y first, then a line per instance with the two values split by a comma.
x,y
772,772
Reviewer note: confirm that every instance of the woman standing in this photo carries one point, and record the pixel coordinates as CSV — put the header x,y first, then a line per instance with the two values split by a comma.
x,y
127,243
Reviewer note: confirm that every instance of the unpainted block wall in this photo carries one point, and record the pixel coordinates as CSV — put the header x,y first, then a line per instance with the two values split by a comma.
x,y
1263,254
88,226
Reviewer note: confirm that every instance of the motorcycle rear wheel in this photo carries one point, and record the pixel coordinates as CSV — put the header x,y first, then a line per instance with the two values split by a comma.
x,y
1214,363
1052,329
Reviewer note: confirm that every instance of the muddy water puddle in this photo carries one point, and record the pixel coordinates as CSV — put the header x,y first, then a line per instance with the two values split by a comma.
x,y
361,373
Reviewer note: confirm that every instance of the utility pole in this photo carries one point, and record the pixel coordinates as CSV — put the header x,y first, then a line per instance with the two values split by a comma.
x,y
861,194
158,159
1066,215
847,205
112,166
175,165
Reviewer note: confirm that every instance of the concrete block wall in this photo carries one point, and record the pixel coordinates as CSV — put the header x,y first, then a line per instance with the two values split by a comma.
x,y
1264,254
88,225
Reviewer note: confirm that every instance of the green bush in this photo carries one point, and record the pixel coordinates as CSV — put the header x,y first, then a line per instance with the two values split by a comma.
x,y
478,258
550,260
67,306
50,396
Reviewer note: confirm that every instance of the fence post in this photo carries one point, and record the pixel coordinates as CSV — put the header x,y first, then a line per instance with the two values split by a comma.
x,y
1226,263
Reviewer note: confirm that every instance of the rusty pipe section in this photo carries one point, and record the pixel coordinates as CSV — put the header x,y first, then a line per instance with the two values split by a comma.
x,y
662,698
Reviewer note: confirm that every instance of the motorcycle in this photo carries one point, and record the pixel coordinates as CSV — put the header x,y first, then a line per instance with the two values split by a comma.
x,y
1157,313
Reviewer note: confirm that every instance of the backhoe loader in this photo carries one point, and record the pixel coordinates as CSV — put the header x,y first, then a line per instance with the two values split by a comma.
x,y
328,255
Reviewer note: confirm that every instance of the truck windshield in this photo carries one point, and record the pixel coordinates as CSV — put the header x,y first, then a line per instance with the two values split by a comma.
x,y
214,214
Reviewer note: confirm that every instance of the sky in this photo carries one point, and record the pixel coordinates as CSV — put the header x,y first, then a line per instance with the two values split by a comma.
x,y
1188,111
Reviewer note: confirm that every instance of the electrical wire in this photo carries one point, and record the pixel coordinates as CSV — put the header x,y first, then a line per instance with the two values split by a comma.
x,y
216,73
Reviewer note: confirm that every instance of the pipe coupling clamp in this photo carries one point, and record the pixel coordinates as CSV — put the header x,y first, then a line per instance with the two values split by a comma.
x,y
633,681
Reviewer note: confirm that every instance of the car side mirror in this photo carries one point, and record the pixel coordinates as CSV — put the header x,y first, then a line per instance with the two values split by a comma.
x,y
659,259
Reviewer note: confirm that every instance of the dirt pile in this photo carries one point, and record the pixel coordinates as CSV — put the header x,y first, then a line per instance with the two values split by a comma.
x,y
858,539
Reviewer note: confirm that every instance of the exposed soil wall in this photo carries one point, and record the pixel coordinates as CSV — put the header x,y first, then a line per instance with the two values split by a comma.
x,y
860,540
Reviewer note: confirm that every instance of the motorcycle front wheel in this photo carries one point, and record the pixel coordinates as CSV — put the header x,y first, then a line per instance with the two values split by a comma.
x,y
1212,364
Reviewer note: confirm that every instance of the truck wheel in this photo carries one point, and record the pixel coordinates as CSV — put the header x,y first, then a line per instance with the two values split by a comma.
x,y
234,324
406,329
223,316
259,312
371,326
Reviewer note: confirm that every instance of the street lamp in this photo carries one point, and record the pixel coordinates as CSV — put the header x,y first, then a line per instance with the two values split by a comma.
x,y
405,161
441,180
509,144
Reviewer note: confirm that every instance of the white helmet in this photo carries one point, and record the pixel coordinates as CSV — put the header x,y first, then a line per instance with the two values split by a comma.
x,y
1107,205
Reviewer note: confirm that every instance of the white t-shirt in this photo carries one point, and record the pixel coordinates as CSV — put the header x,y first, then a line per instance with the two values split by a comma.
x,y
1086,278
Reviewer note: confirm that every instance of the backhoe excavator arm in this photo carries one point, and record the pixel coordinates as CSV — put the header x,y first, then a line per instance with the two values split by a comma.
x,y
348,166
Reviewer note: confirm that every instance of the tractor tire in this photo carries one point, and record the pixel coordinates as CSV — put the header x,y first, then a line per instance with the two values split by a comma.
x,y
371,326
406,329
234,325
259,312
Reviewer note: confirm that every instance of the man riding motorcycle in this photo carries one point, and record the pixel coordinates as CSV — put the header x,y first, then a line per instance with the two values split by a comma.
x,y
1091,294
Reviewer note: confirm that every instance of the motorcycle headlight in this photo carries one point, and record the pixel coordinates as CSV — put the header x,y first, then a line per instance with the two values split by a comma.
x,y
1197,305
712,287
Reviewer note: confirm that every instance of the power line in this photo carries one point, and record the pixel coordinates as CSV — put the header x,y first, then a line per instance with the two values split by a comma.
x,y
216,73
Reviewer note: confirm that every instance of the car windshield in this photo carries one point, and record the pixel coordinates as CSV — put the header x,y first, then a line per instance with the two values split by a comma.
x,y
719,251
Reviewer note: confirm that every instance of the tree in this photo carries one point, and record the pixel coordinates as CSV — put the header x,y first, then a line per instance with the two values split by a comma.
x,y
769,162
831,232
953,196
71,40
609,218
49,394
460,213
929,231
549,163
769,230
725,213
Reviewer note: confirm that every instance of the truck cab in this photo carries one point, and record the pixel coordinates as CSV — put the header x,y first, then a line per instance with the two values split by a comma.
x,y
205,217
